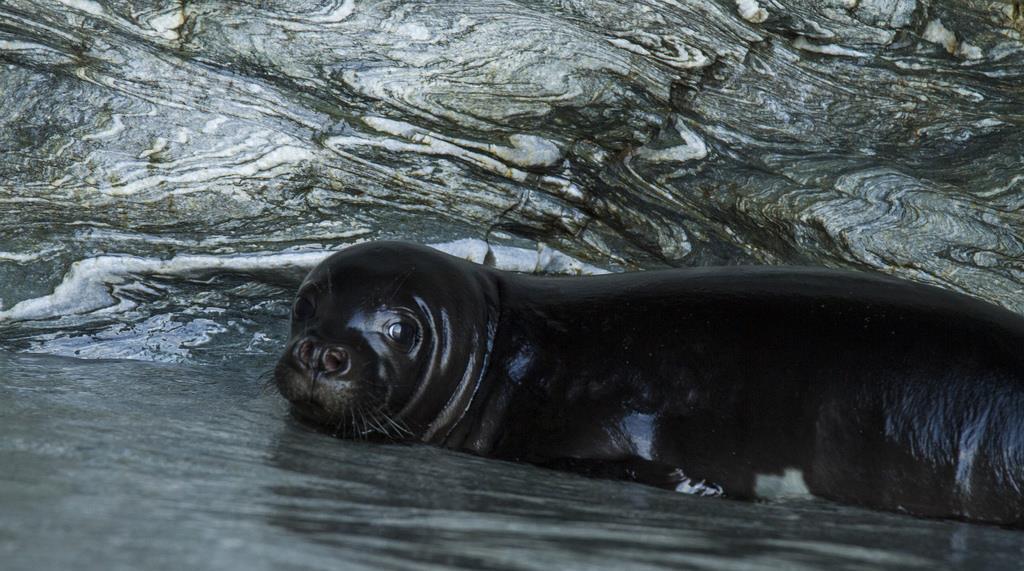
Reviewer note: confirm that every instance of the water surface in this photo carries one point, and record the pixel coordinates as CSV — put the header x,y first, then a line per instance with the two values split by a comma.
x,y
115,464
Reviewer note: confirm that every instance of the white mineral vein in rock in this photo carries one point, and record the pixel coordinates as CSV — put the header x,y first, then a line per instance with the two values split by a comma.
x,y
15,46
213,124
256,157
673,51
969,51
829,49
751,11
889,13
334,12
88,6
168,23
526,151
693,147
158,145
115,128
936,33
22,258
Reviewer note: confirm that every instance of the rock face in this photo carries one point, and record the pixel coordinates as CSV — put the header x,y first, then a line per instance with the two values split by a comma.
x,y
873,134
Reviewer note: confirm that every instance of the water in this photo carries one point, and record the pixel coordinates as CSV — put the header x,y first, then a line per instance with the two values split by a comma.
x,y
123,464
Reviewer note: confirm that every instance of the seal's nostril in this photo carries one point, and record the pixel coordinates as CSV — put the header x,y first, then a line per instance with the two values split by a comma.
x,y
304,352
335,360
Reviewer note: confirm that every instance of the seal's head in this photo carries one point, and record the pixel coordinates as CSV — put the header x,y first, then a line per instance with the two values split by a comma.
x,y
389,339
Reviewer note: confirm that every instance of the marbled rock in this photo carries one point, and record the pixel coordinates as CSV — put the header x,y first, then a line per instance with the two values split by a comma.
x,y
874,134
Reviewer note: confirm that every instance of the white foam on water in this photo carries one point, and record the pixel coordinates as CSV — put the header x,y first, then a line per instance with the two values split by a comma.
x,y
88,285
91,284
159,338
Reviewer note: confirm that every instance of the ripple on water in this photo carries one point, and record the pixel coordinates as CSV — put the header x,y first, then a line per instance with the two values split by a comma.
x,y
108,464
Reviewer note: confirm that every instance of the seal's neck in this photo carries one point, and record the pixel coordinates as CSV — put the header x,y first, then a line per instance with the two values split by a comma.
x,y
517,367
463,363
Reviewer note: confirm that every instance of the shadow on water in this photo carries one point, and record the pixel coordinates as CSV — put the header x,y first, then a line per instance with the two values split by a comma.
x,y
123,465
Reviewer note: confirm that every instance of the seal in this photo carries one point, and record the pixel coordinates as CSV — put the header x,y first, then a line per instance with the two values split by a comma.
x,y
745,382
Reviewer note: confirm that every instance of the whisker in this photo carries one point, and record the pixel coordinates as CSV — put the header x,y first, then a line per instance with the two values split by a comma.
x,y
399,426
381,414
373,418
368,425
373,421
362,423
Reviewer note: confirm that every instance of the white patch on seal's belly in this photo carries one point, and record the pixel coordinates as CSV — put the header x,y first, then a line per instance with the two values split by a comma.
x,y
790,484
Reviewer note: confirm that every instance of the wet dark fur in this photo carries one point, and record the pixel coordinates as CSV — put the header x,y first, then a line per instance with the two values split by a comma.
x,y
881,392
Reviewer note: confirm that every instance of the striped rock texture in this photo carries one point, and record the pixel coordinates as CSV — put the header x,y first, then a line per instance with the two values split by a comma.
x,y
874,134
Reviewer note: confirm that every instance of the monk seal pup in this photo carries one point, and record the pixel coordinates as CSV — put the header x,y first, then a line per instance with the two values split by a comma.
x,y
859,388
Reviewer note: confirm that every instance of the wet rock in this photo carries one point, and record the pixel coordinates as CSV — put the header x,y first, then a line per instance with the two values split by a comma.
x,y
873,134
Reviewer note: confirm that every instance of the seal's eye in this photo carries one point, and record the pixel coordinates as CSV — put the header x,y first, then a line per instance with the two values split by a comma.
x,y
402,333
303,308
